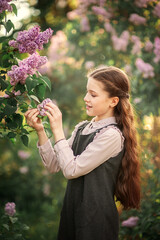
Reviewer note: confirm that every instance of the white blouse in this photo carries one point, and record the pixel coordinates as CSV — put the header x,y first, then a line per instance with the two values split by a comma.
x,y
106,144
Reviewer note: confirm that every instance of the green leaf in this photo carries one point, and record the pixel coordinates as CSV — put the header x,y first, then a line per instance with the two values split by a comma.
x,y
25,131
14,8
11,135
2,39
25,140
18,119
13,219
40,91
35,98
3,84
30,83
9,25
8,110
46,81
11,124
6,226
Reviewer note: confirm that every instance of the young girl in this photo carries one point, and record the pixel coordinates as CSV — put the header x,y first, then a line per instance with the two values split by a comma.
x,y
99,159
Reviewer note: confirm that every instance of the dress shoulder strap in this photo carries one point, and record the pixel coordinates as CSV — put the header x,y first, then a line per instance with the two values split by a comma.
x,y
112,124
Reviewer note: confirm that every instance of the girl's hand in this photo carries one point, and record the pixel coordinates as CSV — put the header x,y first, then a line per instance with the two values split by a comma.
x,y
33,121
55,117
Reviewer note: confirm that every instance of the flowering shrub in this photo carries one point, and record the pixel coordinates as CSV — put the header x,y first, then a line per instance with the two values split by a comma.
x,y
10,226
4,5
21,83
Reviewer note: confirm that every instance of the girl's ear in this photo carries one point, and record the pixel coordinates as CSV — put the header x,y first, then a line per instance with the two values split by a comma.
x,y
114,101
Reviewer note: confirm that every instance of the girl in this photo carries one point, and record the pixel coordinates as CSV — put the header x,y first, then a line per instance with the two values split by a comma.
x,y
99,160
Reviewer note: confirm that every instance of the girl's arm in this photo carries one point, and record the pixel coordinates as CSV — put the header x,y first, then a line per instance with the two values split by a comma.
x,y
46,150
105,146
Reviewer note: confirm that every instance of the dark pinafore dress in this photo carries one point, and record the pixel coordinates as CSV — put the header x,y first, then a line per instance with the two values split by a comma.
x,y
89,211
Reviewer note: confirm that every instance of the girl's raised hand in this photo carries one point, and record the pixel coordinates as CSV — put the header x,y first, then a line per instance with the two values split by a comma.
x,y
32,119
55,117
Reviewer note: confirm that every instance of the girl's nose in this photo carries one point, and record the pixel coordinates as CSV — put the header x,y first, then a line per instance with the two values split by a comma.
x,y
85,98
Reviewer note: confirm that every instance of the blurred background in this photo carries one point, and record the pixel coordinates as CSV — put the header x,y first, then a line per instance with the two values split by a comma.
x,y
88,33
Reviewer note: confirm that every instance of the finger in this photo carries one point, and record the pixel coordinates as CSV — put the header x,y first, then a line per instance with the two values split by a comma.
x,y
29,111
51,110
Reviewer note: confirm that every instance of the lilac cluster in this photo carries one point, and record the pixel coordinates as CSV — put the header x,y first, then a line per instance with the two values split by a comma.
x,y
130,222
157,49
26,67
31,40
5,6
145,68
41,106
10,208
136,19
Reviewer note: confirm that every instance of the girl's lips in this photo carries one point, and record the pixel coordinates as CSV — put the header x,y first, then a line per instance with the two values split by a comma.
x,y
88,107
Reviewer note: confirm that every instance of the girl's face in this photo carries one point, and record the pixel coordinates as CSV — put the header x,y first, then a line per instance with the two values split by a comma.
x,y
98,102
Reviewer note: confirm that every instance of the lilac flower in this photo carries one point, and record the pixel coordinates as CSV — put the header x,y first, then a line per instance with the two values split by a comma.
x,y
136,19
145,68
148,46
157,49
10,208
26,67
121,43
85,27
130,222
23,154
89,65
141,3
29,41
23,170
108,27
41,106
101,11
156,10
5,6
137,44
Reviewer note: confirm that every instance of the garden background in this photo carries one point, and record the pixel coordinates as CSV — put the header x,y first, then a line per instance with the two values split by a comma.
x,y
86,33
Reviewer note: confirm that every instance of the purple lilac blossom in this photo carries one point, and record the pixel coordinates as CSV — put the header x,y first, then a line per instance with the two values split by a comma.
x,y
10,208
31,40
130,222
145,68
157,49
26,67
5,6
156,10
23,154
41,106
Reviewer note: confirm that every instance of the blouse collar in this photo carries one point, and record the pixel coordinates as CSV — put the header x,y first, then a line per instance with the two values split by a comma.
x,y
103,122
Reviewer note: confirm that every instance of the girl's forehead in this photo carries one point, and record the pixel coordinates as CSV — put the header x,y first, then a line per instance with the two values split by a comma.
x,y
92,83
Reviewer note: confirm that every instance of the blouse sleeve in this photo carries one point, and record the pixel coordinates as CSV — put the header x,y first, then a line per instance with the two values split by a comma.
x,y
104,146
48,154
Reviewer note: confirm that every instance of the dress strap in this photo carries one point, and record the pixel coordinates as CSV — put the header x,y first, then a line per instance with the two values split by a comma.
x,y
112,124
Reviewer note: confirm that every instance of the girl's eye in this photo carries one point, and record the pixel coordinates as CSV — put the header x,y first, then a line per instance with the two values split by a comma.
x,y
93,95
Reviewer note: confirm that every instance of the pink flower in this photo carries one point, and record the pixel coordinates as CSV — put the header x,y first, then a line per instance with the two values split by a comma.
x,y
148,46
130,222
85,27
108,27
23,154
145,68
5,6
23,170
141,3
156,10
89,65
41,106
137,44
136,19
101,11
121,43
10,208
26,67
29,41
157,49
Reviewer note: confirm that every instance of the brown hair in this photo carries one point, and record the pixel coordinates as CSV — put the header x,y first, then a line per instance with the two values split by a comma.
x,y
116,83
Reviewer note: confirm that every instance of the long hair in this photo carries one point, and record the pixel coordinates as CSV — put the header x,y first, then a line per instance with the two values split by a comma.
x,y
116,83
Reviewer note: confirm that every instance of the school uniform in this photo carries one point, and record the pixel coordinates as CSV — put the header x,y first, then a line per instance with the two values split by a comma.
x,y
89,211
